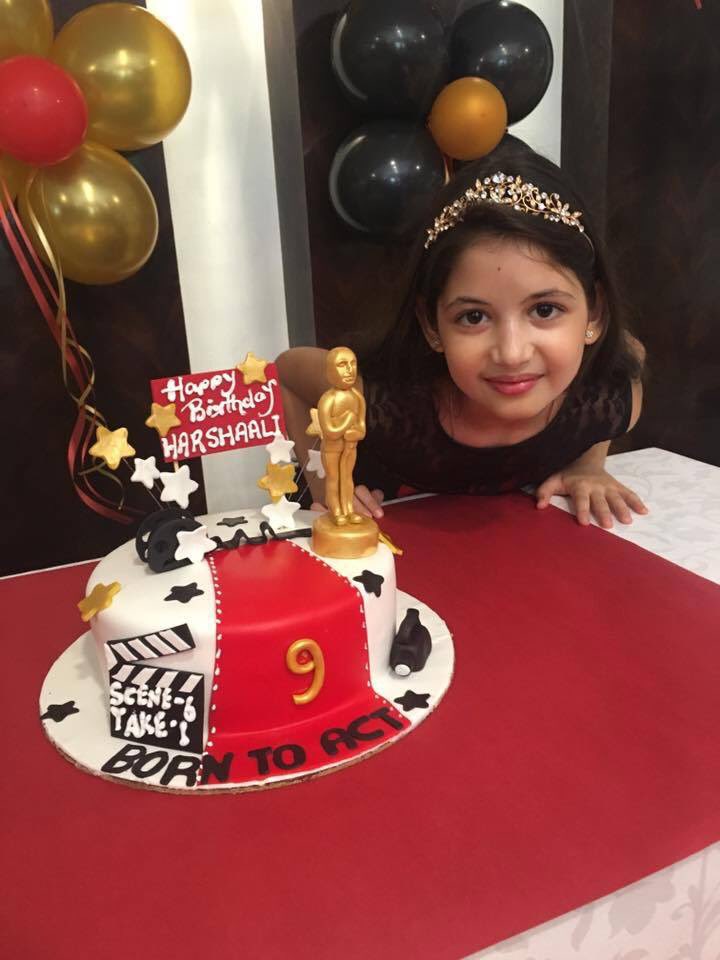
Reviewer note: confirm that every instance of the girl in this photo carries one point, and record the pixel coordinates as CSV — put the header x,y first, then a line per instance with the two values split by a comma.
x,y
509,364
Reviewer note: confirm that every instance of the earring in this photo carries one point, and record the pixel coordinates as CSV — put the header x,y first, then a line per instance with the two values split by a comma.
x,y
589,334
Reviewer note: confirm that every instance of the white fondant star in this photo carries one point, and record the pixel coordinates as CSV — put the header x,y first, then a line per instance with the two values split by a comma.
x,y
281,514
146,472
193,544
314,463
280,449
177,486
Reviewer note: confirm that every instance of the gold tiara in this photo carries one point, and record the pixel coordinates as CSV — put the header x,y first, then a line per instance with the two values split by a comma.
x,y
501,188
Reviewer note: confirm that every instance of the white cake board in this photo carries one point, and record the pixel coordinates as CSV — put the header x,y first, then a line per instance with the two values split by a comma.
x,y
84,736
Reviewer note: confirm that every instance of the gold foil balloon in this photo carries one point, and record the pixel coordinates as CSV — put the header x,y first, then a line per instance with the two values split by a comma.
x,y
97,212
26,26
14,173
468,118
132,69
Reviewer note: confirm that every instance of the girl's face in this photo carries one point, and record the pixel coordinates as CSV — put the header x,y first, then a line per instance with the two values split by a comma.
x,y
513,328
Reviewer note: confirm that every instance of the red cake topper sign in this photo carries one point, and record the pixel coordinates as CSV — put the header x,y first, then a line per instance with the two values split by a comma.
x,y
217,411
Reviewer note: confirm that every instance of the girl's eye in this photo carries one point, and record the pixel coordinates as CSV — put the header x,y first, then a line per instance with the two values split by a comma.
x,y
471,318
547,311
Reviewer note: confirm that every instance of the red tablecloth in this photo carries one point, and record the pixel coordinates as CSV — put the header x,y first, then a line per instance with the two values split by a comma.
x,y
577,750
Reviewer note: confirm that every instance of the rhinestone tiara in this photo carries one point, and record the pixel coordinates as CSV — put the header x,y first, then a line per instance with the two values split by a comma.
x,y
501,188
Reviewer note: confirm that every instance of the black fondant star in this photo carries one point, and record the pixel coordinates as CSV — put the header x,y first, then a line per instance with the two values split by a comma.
x,y
231,521
185,592
409,700
58,711
372,582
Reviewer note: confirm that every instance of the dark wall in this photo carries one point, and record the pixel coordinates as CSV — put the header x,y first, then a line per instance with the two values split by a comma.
x,y
587,62
341,259
663,201
134,331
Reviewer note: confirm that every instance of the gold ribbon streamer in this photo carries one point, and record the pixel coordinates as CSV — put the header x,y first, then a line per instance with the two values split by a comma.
x,y
68,342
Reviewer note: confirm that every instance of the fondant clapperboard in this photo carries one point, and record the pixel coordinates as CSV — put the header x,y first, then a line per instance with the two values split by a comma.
x,y
152,704
219,411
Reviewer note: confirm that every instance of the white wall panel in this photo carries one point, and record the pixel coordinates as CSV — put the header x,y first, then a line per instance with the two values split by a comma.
x,y
542,129
221,178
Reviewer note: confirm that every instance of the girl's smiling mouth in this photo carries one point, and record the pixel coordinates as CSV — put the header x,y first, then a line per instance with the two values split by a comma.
x,y
514,385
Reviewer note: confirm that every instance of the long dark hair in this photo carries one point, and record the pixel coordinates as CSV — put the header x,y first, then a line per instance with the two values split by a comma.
x,y
403,354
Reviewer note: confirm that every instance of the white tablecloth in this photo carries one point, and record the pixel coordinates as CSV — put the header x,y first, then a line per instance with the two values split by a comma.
x,y
673,914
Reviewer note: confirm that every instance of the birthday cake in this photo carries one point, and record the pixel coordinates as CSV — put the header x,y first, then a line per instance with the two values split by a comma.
x,y
259,664
235,651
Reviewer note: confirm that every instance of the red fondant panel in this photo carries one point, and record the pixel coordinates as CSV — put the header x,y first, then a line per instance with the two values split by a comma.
x,y
267,598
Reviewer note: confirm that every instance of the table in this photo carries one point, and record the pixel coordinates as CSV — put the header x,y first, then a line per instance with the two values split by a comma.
x,y
675,909
403,854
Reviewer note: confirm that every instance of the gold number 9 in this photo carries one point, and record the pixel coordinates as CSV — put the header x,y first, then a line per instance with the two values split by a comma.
x,y
305,656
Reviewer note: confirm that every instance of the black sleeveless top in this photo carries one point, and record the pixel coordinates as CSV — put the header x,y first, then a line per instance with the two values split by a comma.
x,y
406,446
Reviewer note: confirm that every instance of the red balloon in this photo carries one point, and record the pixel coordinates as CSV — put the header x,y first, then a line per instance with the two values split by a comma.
x,y
43,114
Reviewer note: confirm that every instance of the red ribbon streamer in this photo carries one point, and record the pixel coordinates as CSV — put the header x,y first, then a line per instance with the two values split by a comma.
x,y
87,417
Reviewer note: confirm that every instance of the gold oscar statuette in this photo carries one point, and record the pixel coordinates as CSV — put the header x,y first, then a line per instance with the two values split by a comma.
x,y
340,422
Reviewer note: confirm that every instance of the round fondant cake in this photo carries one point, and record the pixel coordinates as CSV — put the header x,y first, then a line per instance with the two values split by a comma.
x,y
252,662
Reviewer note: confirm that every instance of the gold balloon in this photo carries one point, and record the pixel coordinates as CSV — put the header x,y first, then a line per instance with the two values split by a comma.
x,y
132,69
14,173
26,26
97,212
468,118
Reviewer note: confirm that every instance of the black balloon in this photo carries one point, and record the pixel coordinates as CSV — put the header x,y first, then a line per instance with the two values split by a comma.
x,y
507,44
390,56
384,176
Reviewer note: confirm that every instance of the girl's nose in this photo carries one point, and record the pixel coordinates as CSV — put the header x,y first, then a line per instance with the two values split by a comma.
x,y
512,346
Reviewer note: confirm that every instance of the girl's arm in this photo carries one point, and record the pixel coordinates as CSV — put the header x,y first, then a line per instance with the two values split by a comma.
x,y
592,489
302,382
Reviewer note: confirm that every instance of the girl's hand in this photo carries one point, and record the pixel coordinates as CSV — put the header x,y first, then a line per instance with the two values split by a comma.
x,y
364,502
592,492
368,502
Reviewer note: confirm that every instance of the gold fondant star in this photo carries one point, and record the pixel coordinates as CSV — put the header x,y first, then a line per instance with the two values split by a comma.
x,y
162,418
112,446
100,598
278,480
313,429
253,369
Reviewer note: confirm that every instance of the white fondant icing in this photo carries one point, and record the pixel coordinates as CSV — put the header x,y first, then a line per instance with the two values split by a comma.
x,y
140,608
146,472
281,514
280,449
177,486
314,464
193,544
